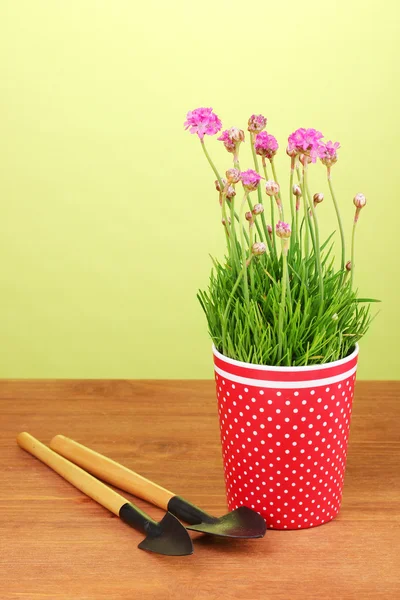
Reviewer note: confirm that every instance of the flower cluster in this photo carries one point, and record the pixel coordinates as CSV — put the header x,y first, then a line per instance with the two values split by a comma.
x,y
250,179
257,123
327,152
287,253
203,121
305,141
266,145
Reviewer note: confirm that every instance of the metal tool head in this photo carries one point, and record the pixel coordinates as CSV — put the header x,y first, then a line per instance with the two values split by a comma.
x,y
170,538
240,523
167,536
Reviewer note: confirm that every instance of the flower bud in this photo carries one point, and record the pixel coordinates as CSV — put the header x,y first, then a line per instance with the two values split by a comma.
x,y
236,134
230,192
335,317
297,190
258,248
348,265
359,200
292,152
258,209
272,188
257,123
218,187
224,221
318,198
283,230
249,216
233,175
269,229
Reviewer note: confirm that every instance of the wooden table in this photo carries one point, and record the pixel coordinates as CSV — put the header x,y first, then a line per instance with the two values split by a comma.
x,y
57,544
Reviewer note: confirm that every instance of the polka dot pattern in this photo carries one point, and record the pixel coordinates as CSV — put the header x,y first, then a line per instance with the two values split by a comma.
x,y
284,450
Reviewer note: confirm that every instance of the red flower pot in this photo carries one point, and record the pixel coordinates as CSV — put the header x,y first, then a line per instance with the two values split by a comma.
x,y
284,434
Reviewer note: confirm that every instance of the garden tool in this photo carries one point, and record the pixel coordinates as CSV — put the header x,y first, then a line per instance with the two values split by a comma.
x,y
168,536
240,523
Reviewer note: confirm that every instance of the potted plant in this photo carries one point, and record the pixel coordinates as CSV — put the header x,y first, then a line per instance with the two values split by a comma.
x,y
285,321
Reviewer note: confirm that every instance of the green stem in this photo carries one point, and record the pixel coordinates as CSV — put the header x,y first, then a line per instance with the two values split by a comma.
x,y
251,235
214,168
272,206
307,224
268,239
257,168
291,192
291,200
235,215
282,216
315,240
353,233
283,298
339,220
225,218
256,222
244,265
235,257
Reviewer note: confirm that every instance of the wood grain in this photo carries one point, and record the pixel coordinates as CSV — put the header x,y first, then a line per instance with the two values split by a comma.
x,y
55,543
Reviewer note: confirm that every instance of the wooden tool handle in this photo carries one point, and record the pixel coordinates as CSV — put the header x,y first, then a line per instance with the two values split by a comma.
x,y
112,472
79,478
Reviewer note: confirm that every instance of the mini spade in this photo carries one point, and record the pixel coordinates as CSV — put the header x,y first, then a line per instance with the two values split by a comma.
x,y
240,523
168,536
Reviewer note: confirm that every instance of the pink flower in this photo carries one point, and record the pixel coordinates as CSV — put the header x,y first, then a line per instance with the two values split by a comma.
x,y
228,142
283,229
203,122
257,123
266,145
327,153
305,141
250,179
232,138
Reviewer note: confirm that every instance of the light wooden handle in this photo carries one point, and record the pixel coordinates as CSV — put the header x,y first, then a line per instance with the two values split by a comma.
x,y
111,471
78,477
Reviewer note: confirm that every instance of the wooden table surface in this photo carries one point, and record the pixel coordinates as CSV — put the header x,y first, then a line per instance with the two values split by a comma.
x,y
57,544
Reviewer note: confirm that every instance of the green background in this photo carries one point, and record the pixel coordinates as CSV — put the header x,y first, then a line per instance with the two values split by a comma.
x,y
108,210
